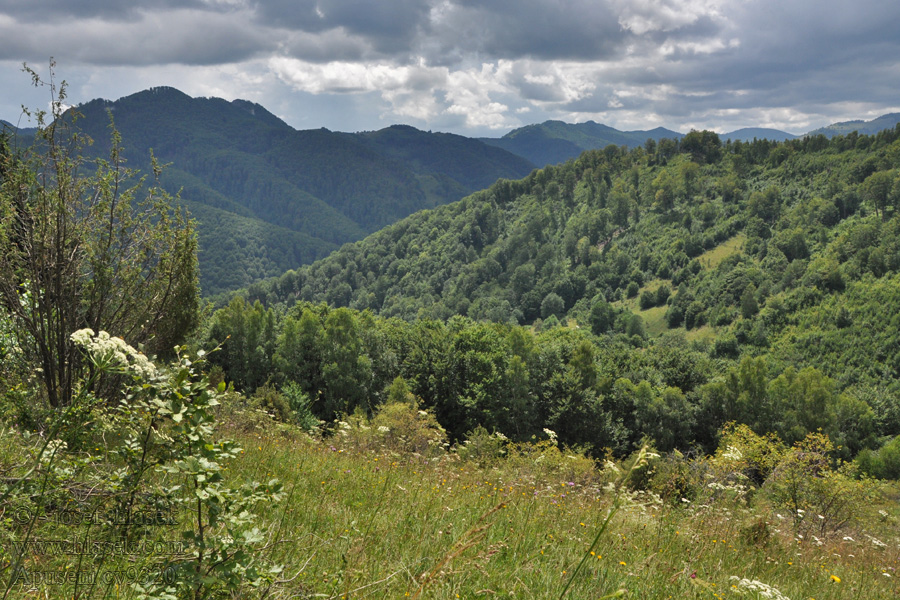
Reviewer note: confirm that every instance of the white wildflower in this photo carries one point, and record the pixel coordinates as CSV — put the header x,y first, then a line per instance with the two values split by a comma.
x,y
114,353
53,447
383,429
550,434
733,453
82,337
761,589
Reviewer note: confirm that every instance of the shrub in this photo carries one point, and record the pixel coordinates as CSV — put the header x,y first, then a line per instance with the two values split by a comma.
x,y
482,446
819,498
396,427
883,463
743,451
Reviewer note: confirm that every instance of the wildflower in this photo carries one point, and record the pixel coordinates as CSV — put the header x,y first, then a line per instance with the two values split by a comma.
x,y
113,353
761,589
835,579
732,453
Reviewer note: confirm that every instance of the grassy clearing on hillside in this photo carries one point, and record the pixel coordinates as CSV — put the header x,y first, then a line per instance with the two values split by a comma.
x,y
712,257
655,318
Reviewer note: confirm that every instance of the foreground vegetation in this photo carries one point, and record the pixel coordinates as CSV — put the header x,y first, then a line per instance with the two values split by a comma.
x,y
383,509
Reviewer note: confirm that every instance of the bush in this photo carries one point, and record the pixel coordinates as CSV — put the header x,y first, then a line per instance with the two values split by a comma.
x,y
818,498
397,427
883,463
268,399
552,305
165,422
726,347
483,447
662,295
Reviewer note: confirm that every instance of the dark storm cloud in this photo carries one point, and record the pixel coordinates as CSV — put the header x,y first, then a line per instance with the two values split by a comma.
x,y
387,27
536,29
184,37
42,11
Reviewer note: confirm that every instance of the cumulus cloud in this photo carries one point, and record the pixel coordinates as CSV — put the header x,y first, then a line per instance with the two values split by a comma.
x,y
481,66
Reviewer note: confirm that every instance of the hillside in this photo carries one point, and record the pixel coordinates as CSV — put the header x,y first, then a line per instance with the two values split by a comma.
x,y
554,142
748,134
787,251
888,121
283,197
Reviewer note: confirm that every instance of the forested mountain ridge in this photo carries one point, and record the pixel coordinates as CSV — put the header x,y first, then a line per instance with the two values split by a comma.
x,y
553,142
269,197
788,251
748,134
888,121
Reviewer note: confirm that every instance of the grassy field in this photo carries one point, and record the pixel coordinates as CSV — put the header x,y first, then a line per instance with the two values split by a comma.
x,y
361,519
385,526
712,257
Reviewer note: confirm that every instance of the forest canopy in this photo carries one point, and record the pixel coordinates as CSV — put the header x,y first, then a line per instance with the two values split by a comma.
x,y
658,292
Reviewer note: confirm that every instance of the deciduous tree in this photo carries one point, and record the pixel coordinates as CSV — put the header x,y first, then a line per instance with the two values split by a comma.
x,y
101,251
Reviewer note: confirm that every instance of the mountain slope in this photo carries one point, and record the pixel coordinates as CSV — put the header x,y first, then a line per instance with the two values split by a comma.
x,y
888,121
330,188
748,134
554,142
741,250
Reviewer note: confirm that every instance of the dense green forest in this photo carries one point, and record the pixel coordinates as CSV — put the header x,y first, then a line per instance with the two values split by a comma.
x,y
268,197
553,142
657,292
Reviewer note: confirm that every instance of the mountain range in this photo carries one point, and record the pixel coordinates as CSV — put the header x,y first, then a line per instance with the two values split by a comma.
x,y
268,198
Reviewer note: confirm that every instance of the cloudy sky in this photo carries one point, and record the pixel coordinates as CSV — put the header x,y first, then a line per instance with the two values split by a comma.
x,y
473,67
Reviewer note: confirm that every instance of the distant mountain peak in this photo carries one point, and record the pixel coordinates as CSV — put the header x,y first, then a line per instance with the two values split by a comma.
x,y
886,121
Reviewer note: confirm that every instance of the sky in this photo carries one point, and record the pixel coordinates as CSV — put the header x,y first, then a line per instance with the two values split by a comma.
x,y
469,67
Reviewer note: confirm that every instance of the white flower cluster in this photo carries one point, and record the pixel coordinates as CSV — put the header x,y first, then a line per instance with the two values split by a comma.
x,y
763,590
733,453
112,352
